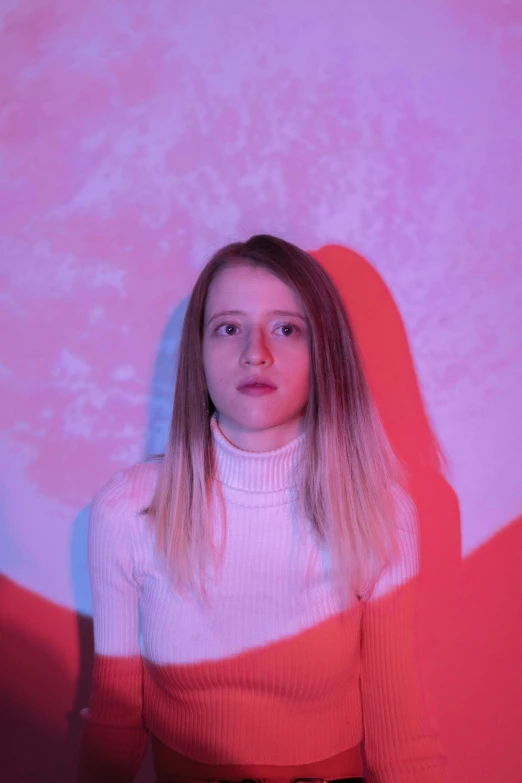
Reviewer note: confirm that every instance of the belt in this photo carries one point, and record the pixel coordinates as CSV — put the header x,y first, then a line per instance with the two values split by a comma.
x,y
268,780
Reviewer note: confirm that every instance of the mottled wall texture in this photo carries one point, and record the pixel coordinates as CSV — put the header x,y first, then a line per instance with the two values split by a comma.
x,y
384,136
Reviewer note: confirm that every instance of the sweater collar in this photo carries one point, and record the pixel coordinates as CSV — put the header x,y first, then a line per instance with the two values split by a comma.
x,y
254,471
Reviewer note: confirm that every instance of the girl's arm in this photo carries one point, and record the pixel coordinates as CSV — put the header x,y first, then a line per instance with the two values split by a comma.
x,y
114,737
400,744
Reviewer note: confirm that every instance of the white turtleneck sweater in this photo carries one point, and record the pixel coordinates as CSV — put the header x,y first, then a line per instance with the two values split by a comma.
x,y
273,670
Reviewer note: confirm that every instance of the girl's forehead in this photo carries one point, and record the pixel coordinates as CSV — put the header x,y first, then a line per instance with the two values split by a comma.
x,y
240,284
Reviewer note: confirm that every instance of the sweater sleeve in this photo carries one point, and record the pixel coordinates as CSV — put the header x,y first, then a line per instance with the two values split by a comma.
x,y
114,738
399,743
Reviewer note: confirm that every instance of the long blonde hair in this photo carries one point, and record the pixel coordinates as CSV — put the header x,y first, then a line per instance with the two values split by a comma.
x,y
347,482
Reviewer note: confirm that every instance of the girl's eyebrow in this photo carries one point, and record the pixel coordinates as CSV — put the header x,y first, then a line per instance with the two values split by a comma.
x,y
268,312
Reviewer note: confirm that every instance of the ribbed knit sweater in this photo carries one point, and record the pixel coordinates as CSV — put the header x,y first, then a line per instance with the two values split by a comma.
x,y
273,670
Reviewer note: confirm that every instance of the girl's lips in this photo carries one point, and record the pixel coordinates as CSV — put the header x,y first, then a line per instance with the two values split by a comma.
x,y
256,391
255,380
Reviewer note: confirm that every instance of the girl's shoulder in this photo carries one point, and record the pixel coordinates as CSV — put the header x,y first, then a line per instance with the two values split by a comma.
x,y
130,488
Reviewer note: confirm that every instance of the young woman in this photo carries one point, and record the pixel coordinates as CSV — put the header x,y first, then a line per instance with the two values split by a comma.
x,y
253,589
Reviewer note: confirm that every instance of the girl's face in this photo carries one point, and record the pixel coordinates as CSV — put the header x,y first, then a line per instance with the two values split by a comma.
x,y
256,341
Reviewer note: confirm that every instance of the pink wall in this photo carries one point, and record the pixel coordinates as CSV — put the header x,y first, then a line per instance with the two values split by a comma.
x,y
135,139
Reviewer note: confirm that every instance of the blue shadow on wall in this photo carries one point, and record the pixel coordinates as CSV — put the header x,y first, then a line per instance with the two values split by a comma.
x,y
160,410
79,569
164,382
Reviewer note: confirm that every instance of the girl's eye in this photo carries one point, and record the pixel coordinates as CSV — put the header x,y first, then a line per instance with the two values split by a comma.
x,y
228,326
290,326
281,326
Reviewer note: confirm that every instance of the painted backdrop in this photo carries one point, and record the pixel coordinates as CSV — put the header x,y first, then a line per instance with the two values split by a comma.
x,y
136,138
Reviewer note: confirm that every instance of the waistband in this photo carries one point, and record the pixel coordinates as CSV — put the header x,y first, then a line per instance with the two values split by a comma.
x,y
169,765
267,780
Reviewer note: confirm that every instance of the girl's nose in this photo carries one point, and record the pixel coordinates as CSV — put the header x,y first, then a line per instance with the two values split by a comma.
x,y
256,350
